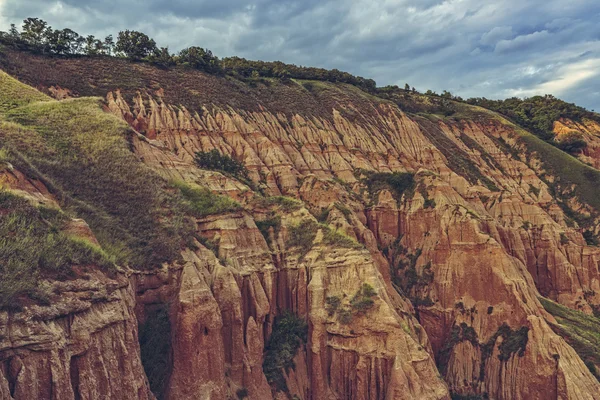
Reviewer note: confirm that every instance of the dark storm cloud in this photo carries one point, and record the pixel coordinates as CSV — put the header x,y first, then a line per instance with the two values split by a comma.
x,y
496,48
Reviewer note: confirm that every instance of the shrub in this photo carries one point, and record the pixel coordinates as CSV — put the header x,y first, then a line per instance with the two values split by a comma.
x,y
289,334
362,301
302,236
241,393
332,303
513,341
323,215
590,238
396,182
213,160
265,225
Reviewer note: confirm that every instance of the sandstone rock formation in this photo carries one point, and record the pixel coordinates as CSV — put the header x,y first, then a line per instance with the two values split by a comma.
x,y
456,262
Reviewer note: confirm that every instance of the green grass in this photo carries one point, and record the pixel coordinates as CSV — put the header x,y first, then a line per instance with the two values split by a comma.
x,y
580,330
14,94
286,204
332,237
32,247
566,169
200,201
82,155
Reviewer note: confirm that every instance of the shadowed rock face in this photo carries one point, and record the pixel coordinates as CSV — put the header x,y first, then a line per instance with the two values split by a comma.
x,y
457,262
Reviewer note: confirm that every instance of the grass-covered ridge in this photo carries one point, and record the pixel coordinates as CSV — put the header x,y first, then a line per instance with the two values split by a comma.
x,y
15,94
33,246
82,154
581,331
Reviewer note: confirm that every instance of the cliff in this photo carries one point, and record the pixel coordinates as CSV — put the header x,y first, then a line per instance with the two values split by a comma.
x,y
412,250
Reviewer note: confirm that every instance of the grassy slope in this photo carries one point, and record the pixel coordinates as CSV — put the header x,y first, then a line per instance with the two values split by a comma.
x,y
564,168
14,94
581,331
32,245
82,155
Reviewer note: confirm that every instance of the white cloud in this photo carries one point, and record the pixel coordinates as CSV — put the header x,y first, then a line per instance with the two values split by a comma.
x,y
567,78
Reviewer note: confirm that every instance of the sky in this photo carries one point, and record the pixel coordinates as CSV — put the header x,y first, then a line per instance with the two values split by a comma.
x,y
472,48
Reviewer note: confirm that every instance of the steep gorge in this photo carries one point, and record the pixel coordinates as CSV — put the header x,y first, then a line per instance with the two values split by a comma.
x,y
457,261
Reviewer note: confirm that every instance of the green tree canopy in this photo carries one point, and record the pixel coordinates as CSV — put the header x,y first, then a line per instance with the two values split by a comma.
x,y
135,45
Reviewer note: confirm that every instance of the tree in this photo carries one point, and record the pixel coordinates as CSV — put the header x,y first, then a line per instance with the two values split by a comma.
x,y
197,57
65,41
135,45
163,57
35,32
109,44
93,46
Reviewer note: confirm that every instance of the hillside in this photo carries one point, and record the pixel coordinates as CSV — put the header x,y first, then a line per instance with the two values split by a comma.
x,y
372,247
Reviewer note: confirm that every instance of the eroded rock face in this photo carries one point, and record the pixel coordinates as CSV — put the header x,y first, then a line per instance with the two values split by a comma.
x,y
84,345
456,264
492,240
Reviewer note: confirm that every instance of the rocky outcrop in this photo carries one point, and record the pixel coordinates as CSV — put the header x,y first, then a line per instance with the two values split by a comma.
x,y
83,343
589,131
493,224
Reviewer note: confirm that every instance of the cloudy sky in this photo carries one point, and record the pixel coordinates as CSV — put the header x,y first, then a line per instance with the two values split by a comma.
x,y
491,48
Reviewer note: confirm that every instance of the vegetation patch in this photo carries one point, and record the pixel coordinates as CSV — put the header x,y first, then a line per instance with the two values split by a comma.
x,y
580,331
286,204
572,178
272,222
362,301
302,236
289,334
538,114
459,333
335,238
396,182
359,304
32,247
215,161
155,348
458,160
513,341
200,201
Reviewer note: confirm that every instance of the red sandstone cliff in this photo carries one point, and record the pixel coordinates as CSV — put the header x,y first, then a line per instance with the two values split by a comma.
x,y
457,264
